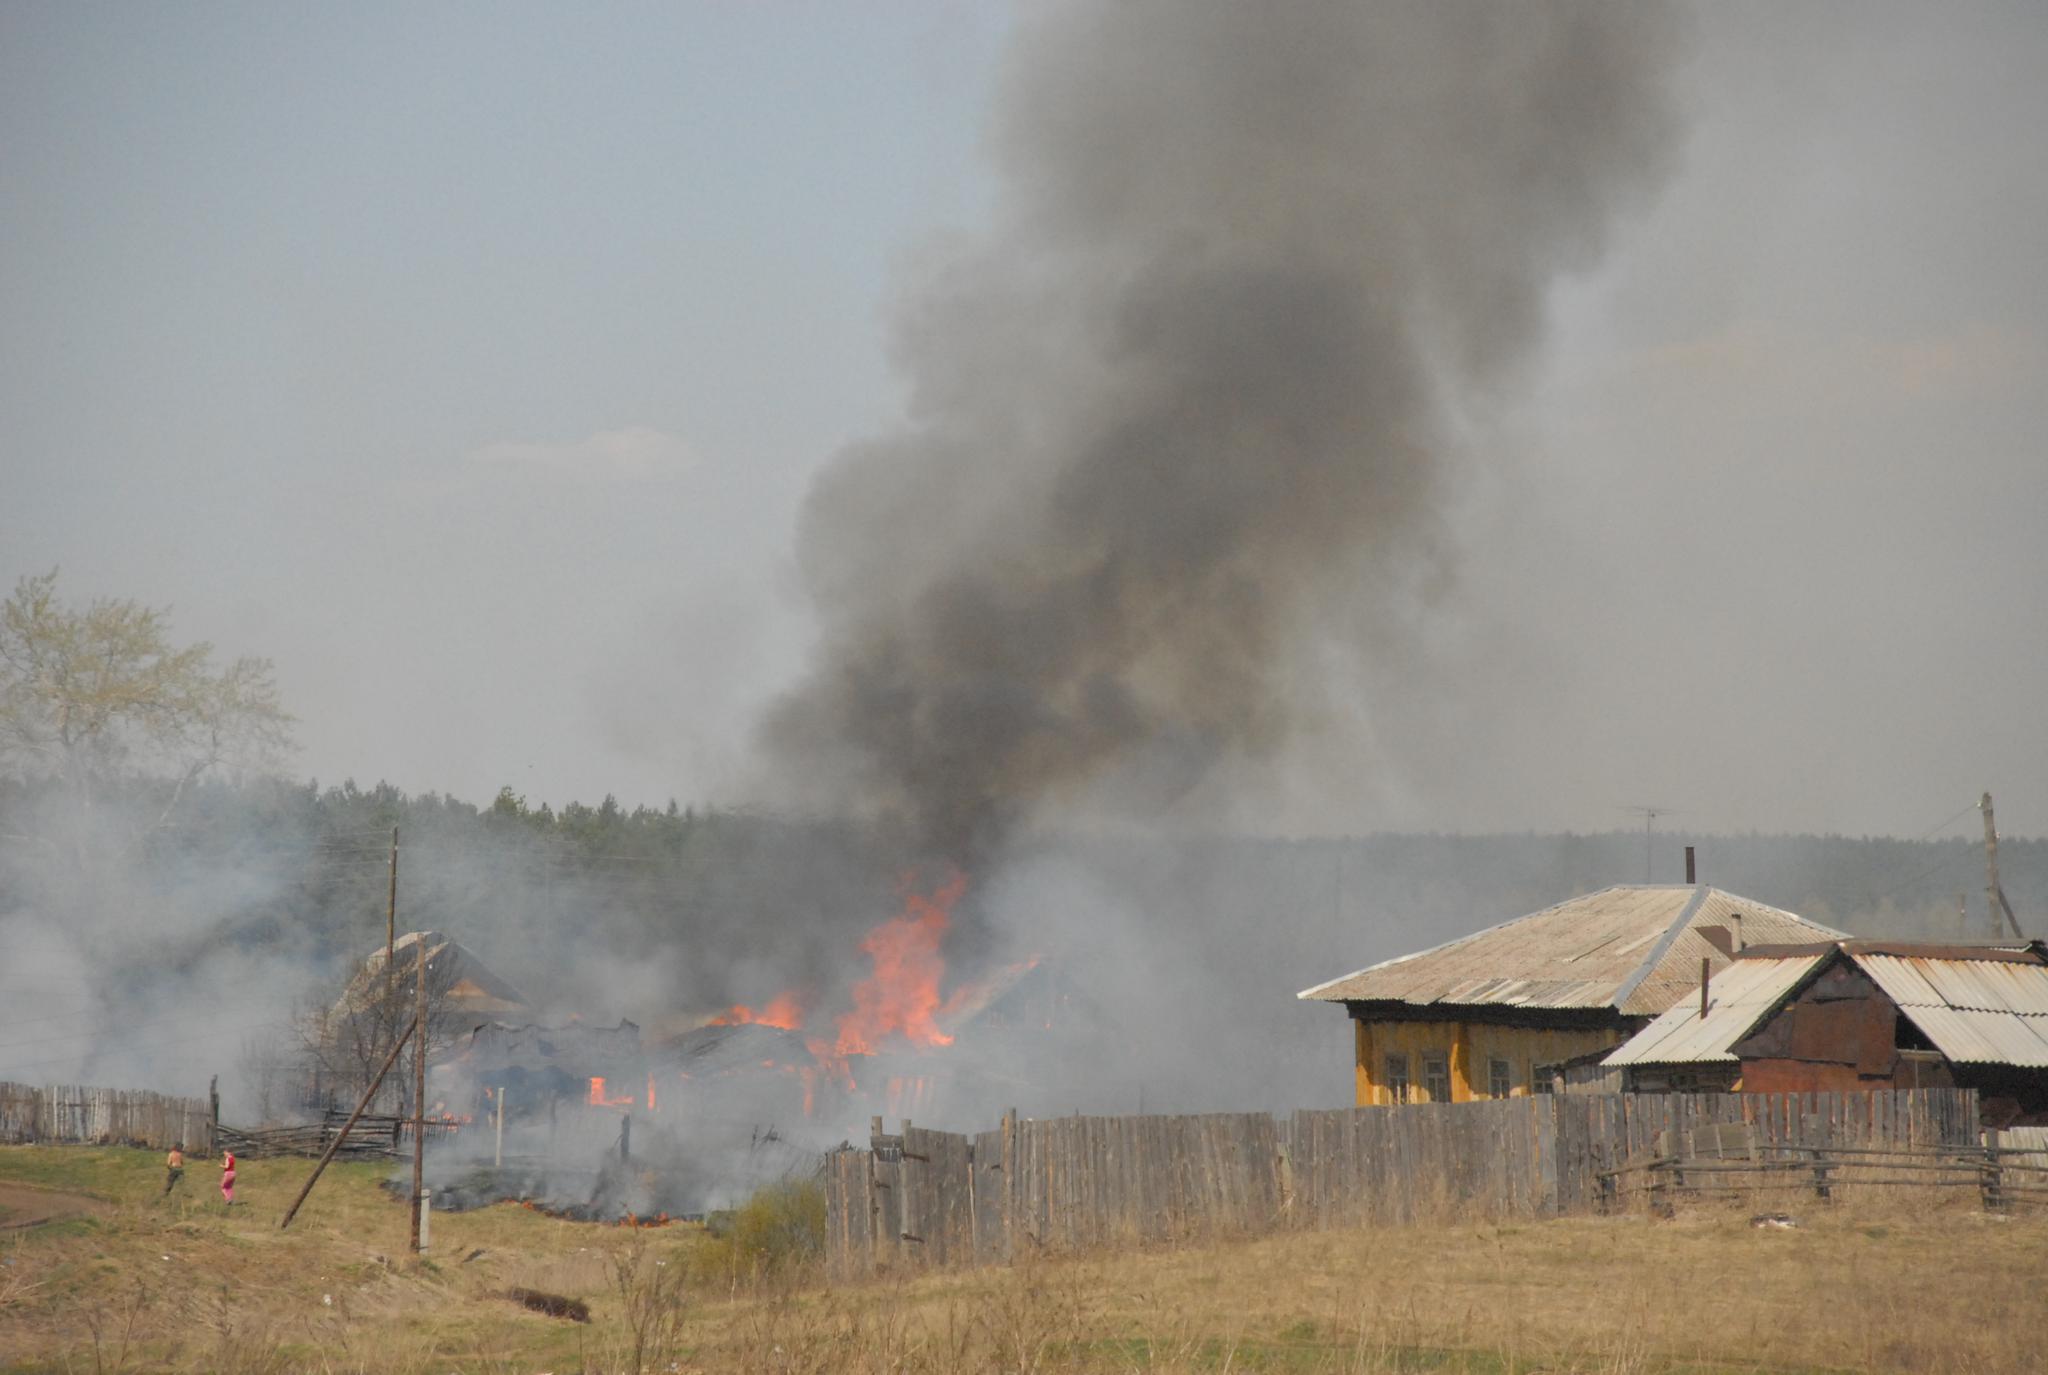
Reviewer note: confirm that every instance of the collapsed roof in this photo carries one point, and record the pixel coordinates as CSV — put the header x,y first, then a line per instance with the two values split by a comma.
x,y
580,1051
464,985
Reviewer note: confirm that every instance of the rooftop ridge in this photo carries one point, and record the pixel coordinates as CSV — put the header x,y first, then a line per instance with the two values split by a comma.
x,y
1609,948
1457,941
1629,985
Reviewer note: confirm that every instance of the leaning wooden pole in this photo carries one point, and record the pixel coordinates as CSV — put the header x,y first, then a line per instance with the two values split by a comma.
x,y
1990,865
342,1135
419,1092
1994,892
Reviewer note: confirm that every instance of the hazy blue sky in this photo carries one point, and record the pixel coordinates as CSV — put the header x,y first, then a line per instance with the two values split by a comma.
x,y
472,361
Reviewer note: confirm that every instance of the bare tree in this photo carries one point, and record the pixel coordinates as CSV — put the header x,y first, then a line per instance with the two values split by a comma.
x,y
341,1045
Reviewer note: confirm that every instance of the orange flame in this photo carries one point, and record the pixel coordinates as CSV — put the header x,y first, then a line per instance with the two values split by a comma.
x,y
599,1099
784,1010
901,995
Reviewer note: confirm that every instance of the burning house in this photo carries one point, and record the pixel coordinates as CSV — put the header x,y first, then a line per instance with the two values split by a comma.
x,y
1492,1014
345,1043
1854,1014
744,1072
980,1044
535,1069
597,1121
600,1125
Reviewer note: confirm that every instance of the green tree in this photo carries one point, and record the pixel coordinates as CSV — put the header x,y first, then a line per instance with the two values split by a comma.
x,y
98,698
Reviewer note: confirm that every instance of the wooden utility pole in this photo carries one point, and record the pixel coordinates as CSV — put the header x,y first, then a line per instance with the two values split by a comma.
x,y
419,1091
391,907
342,1135
1994,895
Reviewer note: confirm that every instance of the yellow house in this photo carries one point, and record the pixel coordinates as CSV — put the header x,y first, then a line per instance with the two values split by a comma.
x,y
1494,1014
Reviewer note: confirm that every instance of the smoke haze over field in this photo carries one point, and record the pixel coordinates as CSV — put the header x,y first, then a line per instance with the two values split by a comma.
x,y
1097,443
1192,402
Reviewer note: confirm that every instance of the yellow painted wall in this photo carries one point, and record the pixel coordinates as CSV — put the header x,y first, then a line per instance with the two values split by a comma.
x,y
1467,1047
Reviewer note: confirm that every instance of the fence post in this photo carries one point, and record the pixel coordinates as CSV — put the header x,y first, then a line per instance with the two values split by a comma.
x,y
1992,1176
1009,1164
905,1195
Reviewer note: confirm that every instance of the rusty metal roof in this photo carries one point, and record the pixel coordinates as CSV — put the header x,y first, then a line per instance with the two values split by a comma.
x,y
1738,998
1633,948
1981,1005
1975,1011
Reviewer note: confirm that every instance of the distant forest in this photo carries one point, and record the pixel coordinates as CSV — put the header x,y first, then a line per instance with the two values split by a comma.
x,y
306,866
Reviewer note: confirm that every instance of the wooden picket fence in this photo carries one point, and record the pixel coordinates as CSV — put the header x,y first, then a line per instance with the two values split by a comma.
x,y
932,1198
74,1114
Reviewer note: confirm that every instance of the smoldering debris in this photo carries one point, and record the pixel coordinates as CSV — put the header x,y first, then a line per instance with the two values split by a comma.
x,y
1191,404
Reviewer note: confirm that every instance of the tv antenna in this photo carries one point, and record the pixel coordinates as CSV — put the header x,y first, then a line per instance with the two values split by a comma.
x,y
1649,816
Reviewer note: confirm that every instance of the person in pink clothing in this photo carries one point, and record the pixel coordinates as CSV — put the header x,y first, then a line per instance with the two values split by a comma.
x,y
227,1177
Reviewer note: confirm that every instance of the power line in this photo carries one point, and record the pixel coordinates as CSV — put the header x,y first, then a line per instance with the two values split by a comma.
x,y
1948,863
1933,831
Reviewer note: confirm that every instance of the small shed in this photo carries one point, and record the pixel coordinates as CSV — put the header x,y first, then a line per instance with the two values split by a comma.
x,y
1520,1007
1854,1014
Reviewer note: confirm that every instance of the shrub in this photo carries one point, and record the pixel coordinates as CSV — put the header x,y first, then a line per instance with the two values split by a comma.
x,y
779,1230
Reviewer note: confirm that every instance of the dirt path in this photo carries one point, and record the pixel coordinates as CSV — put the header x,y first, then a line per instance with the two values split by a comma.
x,y
23,1205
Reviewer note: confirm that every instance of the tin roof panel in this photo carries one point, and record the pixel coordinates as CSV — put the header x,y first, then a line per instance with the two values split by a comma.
x,y
1738,997
1633,948
1969,1036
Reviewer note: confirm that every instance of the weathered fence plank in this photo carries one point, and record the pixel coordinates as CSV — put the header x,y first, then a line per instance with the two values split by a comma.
x,y
76,1114
939,1198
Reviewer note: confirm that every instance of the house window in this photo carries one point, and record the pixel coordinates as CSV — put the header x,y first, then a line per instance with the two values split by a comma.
x,y
1436,1078
1500,1079
1397,1078
1543,1079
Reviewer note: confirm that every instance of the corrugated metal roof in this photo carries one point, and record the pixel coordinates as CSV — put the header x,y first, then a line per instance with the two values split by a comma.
x,y
1738,998
1990,1008
1676,975
1975,1011
1634,948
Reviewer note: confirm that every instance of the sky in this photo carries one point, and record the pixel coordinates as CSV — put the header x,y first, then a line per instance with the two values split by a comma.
x,y
473,364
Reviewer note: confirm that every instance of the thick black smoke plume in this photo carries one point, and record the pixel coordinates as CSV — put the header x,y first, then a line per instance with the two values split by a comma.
x,y
1188,405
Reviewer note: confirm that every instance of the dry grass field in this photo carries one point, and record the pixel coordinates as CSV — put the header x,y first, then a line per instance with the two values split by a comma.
x,y
138,1283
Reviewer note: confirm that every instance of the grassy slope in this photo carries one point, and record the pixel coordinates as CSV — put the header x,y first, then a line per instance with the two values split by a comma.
x,y
198,1289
